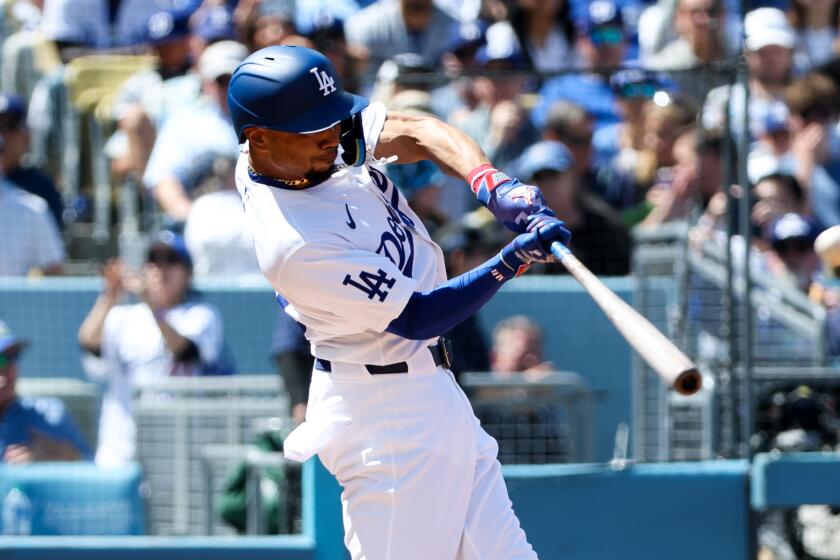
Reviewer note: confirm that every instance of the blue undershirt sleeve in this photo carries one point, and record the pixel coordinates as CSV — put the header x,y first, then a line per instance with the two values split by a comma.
x,y
436,312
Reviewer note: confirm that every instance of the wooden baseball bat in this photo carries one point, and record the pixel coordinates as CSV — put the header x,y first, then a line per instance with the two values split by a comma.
x,y
661,354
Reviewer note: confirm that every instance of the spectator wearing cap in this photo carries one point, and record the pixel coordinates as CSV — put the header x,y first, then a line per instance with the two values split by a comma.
x,y
326,32
599,240
499,121
814,104
768,48
212,23
186,138
32,430
168,332
403,72
601,45
15,137
149,97
420,183
792,258
457,61
385,29
825,289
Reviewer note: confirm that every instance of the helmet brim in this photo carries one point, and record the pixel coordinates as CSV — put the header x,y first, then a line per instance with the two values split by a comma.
x,y
322,118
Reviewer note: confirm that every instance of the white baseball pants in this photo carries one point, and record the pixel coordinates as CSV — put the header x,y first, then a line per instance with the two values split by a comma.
x,y
420,476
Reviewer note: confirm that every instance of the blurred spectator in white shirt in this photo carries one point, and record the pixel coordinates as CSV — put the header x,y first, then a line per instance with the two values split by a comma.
x,y
169,332
193,133
31,242
219,247
816,23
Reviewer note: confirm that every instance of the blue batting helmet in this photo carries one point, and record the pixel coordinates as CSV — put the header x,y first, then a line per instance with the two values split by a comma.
x,y
290,89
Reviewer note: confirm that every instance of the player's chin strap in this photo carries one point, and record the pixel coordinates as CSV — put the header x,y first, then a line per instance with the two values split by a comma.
x,y
353,141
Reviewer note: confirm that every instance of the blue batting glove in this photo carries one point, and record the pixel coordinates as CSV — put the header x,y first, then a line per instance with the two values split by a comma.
x,y
534,246
509,200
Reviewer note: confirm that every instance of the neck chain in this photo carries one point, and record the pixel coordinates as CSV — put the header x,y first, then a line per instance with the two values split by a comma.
x,y
291,182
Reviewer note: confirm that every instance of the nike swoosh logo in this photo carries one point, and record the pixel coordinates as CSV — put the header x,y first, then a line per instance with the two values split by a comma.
x,y
351,222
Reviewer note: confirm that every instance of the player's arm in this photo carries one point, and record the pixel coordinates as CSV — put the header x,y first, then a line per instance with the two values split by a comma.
x,y
437,311
413,138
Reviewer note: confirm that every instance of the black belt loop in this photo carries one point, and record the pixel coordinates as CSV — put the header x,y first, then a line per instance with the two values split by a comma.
x,y
441,354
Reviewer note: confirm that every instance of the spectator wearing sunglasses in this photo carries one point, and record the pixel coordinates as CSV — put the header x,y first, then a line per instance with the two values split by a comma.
x,y
168,332
37,429
602,46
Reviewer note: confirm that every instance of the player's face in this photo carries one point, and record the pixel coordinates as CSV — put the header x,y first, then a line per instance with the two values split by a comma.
x,y
286,155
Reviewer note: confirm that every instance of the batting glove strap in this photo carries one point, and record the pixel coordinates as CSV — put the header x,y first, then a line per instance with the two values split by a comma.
x,y
514,260
484,179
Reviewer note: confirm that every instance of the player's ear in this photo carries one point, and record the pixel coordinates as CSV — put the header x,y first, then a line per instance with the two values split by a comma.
x,y
256,138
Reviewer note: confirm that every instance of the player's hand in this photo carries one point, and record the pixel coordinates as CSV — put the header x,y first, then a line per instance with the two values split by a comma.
x,y
534,246
509,200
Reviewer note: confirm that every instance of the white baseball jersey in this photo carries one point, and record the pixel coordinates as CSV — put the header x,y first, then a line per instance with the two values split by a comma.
x,y
346,254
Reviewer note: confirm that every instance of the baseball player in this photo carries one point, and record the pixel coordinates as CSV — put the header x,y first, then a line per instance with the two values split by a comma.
x,y
356,268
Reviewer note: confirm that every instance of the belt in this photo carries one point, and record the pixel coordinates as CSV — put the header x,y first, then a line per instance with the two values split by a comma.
x,y
441,354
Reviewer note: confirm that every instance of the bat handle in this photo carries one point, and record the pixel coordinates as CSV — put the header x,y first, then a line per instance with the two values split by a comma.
x,y
559,250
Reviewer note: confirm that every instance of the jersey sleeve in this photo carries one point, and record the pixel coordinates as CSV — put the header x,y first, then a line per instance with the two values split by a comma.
x,y
344,291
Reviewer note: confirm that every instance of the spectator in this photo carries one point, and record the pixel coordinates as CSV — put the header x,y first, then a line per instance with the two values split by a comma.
x,y
700,39
622,146
598,238
211,23
15,146
602,47
265,23
517,347
389,28
420,183
459,59
694,179
219,248
774,196
403,72
31,241
571,126
148,98
816,32
814,103
792,259
499,121
545,33
32,430
768,47
169,332
771,151
194,133
663,118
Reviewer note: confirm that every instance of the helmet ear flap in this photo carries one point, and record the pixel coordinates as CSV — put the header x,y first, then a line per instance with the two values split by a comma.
x,y
352,141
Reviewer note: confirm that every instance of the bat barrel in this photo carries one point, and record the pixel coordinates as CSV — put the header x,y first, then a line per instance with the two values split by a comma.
x,y
688,382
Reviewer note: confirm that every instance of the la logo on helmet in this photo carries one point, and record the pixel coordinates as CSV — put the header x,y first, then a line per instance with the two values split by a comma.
x,y
325,83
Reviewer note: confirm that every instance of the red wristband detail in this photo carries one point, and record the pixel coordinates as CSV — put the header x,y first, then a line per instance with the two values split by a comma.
x,y
475,176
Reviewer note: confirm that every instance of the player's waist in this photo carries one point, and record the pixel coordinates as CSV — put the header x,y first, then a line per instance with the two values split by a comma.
x,y
439,354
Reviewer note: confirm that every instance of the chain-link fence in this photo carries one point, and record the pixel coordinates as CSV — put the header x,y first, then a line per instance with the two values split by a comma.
x,y
694,291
